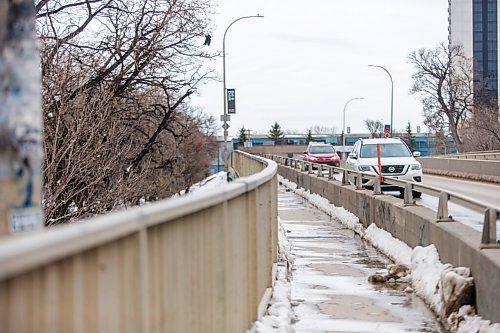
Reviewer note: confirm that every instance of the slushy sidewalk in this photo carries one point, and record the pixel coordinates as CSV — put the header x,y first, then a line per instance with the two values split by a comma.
x,y
330,291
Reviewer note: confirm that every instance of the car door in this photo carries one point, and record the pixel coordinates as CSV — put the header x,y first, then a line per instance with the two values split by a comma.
x,y
351,162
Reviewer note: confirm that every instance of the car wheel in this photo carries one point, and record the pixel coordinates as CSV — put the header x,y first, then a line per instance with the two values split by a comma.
x,y
416,194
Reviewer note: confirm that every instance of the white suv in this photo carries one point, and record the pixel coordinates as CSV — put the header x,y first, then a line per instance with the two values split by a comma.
x,y
396,159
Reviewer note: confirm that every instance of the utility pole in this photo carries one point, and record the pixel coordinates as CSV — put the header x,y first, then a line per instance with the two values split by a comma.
x,y
20,119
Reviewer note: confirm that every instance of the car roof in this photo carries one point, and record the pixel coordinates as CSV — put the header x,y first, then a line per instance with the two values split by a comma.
x,y
380,141
319,144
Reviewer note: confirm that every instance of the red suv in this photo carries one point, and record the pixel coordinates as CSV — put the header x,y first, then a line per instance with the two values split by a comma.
x,y
324,153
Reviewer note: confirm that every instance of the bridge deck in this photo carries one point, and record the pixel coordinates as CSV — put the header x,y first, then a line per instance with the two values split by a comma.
x,y
330,291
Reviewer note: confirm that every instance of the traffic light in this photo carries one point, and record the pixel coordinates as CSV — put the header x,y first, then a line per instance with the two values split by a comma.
x,y
387,131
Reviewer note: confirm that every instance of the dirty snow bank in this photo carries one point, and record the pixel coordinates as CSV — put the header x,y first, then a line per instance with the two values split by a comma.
x,y
392,247
279,315
442,286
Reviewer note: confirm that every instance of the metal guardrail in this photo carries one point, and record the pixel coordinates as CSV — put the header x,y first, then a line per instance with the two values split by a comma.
x,y
479,155
491,213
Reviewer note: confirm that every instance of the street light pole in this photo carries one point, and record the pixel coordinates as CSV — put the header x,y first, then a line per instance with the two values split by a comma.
x,y
392,92
225,115
343,124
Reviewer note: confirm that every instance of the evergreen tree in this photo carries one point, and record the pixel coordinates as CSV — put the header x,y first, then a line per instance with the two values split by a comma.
x,y
242,137
275,133
309,137
409,139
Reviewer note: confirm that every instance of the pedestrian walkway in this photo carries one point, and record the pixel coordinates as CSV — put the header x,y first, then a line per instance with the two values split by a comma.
x,y
330,291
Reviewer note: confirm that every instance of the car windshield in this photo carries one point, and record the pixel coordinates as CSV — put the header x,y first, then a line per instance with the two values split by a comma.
x,y
321,150
386,150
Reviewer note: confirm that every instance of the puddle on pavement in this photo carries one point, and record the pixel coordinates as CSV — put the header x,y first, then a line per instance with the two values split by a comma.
x,y
299,215
356,308
337,269
330,289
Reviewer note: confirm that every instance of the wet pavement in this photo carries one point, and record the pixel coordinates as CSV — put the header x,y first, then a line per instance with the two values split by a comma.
x,y
330,291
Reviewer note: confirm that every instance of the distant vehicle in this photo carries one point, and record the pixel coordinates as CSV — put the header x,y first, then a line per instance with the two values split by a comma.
x,y
396,159
323,153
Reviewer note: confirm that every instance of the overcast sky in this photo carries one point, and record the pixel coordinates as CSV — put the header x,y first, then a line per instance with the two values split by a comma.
x,y
304,60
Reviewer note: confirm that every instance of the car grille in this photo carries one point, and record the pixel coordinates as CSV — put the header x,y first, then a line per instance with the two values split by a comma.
x,y
392,168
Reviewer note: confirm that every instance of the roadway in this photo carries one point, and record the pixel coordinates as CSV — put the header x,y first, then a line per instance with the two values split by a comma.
x,y
486,192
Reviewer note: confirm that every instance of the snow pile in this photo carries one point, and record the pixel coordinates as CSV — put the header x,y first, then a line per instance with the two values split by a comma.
x,y
210,182
279,314
426,273
445,288
465,321
392,247
285,255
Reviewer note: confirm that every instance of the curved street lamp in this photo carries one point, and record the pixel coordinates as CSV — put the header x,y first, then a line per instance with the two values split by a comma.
x,y
343,124
392,91
225,116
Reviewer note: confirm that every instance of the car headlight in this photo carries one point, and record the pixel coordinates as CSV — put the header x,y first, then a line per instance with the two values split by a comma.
x,y
312,158
364,168
416,167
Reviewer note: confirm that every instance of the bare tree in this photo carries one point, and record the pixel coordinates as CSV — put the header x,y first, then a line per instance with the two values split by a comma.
x,y
375,127
117,76
482,130
444,81
320,129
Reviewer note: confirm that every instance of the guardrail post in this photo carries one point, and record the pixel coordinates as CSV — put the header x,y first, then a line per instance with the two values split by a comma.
x,y
377,189
330,173
309,167
320,170
345,175
489,238
408,195
442,213
359,181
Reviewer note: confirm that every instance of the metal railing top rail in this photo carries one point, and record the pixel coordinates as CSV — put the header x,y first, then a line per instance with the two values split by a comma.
x,y
24,251
492,213
467,155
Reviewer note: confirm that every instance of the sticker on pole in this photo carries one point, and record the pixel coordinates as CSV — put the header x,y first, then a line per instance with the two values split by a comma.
x,y
25,219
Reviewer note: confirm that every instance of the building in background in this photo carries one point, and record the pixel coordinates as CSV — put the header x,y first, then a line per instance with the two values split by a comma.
x,y
474,25
426,143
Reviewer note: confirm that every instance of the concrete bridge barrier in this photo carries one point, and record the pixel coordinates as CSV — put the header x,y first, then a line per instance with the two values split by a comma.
x,y
468,168
457,243
200,263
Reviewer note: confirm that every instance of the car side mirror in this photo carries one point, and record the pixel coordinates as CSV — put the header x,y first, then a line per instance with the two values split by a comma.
x,y
304,152
416,154
353,156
